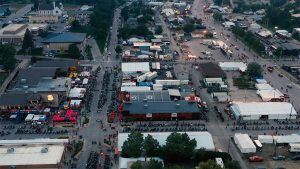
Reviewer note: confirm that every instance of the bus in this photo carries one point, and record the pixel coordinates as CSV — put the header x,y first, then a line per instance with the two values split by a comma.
x,y
258,145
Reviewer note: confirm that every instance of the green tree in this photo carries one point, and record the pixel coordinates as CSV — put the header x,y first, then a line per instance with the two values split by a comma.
x,y
125,13
118,49
254,69
133,146
154,164
210,164
28,40
151,146
137,165
74,51
218,16
178,147
278,3
232,164
75,25
158,30
278,52
218,2
7,56
188,28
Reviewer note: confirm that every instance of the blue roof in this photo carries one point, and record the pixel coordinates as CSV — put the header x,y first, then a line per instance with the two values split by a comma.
x,y
66,37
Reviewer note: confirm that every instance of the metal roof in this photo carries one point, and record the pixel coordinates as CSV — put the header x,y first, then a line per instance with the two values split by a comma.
x,y
149,96
66,37
180,106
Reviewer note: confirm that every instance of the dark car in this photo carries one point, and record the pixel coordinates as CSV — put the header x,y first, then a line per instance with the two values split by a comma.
x,y
278,158
296,157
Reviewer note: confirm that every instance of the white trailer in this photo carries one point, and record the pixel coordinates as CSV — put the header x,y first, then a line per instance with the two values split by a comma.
x,y
151,75
294,147
142,77
244,143
168,82
157,86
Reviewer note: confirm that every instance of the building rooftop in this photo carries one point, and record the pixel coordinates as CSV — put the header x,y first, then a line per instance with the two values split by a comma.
x,y
149,96
58,85
65,37
263,108
31,76
130,67
211,70
142,107
19,29
14,98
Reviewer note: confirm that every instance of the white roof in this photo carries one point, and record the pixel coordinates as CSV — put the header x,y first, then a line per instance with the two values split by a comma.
x,y
85,81
34,141
135,67
263,86
77,92
241,66
31,155
213,79
266,95
123,162
244,140
29,117
265,138
75,102
138,44
135,88
174,92
261,81
293,138
263,108
203,139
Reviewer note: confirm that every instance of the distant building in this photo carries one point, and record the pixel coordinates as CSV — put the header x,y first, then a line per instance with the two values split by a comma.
x,y
61,41
14,33
42,19
50,9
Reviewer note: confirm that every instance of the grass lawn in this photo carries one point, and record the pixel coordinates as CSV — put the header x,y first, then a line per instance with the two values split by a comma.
x,y
243,83
2,77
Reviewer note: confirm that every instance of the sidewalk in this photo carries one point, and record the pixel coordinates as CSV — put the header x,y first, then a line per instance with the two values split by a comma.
x,y
23,64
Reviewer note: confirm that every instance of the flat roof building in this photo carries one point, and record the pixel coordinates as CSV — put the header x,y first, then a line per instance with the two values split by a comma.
x,y
263,110
36,153
14,33
134,67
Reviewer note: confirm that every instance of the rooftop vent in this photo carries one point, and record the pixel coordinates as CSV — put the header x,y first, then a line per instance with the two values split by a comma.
x,y
10,150
177,105
44,150
146,106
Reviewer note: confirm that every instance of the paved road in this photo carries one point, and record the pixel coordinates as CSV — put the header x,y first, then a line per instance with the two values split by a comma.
x,y
21,12
94,131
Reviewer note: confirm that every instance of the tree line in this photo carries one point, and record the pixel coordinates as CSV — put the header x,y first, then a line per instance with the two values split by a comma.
x,y
249,39
179,148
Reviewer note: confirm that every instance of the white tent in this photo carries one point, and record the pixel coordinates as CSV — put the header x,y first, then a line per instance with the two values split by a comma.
x,y
286,139
263,86
265,139
269,110
268,95
233,66
244,143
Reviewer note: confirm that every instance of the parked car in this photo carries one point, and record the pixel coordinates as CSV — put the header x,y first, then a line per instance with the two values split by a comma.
x,y
278,157
296,157
280,75
256,159
289,85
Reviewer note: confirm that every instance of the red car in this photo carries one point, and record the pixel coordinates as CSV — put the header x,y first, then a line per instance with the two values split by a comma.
x,y
256,159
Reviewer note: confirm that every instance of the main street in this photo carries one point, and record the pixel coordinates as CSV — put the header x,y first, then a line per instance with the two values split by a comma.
x,y
94,132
